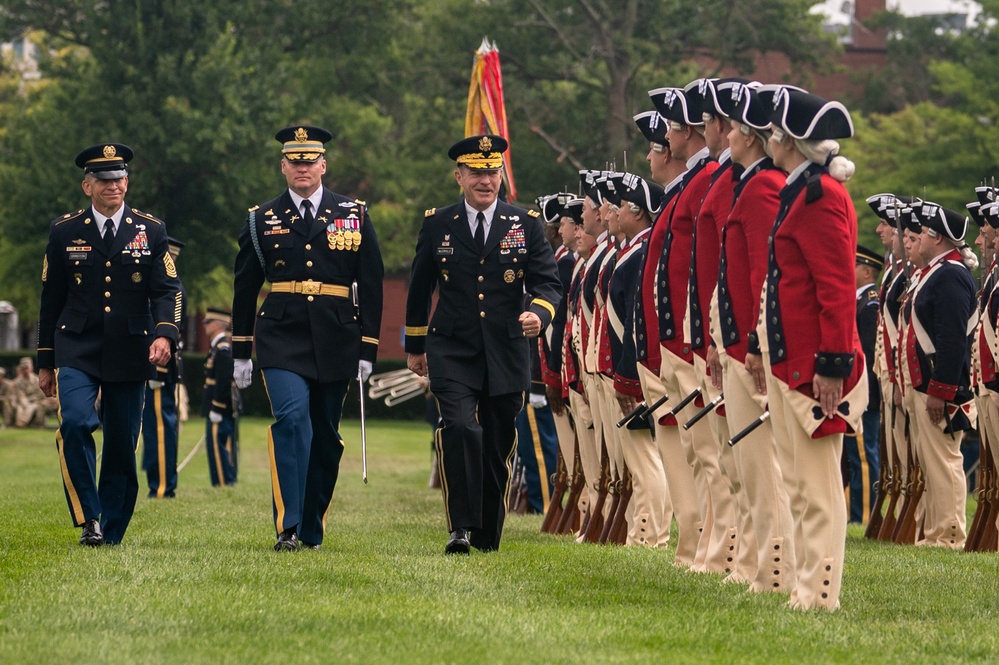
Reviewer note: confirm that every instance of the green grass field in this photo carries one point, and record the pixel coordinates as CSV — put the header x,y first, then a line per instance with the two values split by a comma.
x,y
196,581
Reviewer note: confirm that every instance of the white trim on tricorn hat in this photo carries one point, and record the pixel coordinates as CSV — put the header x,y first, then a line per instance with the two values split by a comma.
x,y
673,104
653,127
721,95
809,117
641,192
945,221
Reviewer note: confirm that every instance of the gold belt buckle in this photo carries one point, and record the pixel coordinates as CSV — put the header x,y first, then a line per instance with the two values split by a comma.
x,y
311,288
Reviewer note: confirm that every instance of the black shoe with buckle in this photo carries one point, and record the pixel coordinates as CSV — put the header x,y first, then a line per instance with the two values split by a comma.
x,y
458,543
287,541
92,534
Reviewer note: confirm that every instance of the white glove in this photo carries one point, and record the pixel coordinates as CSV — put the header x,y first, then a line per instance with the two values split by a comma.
x,y
215,417
364,368
154,384
537,401
242,372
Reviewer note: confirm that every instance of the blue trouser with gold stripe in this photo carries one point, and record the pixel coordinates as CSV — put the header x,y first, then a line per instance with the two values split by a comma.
x,y
537,445
159,440
863,465
111,499
220,444
305,450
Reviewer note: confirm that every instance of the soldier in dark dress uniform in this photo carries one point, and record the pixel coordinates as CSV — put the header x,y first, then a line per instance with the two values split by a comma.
x,y
863,464
111,305
160,424
317,329
482,255
217,404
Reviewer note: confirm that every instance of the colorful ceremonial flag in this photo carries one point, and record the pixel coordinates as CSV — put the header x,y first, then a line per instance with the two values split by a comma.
x,y
486,112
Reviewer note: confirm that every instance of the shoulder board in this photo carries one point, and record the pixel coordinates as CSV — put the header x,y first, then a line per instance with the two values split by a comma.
x,y
533,213
252,209
146,215
69,216
430,212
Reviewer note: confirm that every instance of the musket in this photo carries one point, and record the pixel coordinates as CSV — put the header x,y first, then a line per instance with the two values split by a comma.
x,y
569,520
559,482
638,412
615,487
975,526
748,429
708,408
685,401
875,519
895,489
906,528
360,386
190,455
619,528
570,514
595,523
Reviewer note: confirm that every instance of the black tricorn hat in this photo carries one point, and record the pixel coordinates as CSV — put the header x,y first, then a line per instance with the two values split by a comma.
x,y
588,183
609,187
675,104
985,194
974,210
868,257
990,214
944,221
553,206
303,143
647,195
810,117
574,208
881,203
720,95
105,161
479,153
653,127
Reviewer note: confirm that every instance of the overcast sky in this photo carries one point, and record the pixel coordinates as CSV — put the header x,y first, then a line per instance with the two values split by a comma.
x,y
912,7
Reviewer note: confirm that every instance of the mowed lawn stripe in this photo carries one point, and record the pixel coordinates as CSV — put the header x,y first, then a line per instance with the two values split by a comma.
x,y
196,581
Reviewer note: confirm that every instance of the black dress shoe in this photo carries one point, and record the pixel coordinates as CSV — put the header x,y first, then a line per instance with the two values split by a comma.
x,y
92,534
458,543
287,541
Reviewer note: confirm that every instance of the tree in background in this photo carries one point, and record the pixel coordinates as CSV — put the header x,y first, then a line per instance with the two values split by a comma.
x,y
198,89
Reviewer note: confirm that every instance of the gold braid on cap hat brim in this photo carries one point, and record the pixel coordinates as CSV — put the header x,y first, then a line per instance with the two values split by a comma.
x,y
476,160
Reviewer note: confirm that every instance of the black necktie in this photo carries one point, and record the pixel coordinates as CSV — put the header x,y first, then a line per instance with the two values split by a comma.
x,y
480,231
307,216
108,234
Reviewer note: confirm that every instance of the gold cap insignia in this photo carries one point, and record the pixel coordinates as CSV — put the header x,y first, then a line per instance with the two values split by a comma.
x,y
485,144
301,135
109,151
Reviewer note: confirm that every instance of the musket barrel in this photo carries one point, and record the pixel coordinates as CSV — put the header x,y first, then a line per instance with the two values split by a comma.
x,y
685,401
637,412
703,412
748,429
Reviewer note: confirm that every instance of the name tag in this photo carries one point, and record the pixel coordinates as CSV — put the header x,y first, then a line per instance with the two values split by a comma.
x,y
445,251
